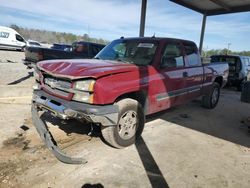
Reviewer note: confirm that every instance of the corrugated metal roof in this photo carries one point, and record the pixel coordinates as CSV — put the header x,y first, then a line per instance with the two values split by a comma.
x,y
215,7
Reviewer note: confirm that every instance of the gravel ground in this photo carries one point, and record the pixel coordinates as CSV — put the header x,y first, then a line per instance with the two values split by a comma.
x,y
11,56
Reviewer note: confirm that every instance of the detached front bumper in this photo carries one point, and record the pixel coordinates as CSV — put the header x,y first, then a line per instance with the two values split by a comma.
x,y
105,115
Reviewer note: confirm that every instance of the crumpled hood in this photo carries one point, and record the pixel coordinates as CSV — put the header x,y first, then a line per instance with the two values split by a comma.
x,y
81,68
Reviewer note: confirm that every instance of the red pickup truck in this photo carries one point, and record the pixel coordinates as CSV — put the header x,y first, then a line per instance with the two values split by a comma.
x,y
129,79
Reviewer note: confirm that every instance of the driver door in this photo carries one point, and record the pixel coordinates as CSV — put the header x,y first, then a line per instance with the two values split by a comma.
x,y
171,86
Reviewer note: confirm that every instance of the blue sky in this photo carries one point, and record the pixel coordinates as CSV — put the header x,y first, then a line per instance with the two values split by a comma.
x,y
110,19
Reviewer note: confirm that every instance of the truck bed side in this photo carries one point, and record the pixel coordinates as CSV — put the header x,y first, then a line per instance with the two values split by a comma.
x,y
214,72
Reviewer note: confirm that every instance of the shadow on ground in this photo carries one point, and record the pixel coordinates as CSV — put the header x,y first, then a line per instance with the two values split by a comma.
x,y
88,185
72,126
152,169
221,122
224,122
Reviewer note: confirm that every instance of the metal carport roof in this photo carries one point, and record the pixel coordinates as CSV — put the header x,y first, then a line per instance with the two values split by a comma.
x,y
205,7
215,7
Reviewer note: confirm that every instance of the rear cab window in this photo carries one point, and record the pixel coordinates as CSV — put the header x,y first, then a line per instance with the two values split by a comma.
x,y
172,56
96,49
80,47
192,54
234,62
245,60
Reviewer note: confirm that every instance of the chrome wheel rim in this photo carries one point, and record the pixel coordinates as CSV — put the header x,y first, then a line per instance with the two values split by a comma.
x,y
127,125
215,96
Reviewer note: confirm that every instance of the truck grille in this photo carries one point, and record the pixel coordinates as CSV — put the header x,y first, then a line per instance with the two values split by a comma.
x,y
57,86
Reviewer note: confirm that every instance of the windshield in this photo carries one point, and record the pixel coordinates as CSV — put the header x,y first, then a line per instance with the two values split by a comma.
x,y
129,51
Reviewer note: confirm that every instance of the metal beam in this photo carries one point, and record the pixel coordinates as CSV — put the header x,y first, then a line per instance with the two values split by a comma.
x,y
143,17
221,4
203,27
187,5
245,8
226,9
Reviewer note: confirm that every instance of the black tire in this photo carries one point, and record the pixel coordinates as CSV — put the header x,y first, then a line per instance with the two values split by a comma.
x,y
245,94
112,134
239,87
211,100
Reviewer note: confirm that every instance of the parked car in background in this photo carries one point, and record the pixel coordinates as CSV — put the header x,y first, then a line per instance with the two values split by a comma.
x,y
10,39
127,80
33,43
78,50
239,68
63,47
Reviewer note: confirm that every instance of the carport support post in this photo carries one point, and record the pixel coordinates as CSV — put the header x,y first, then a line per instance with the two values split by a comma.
x,y
202,31
143,17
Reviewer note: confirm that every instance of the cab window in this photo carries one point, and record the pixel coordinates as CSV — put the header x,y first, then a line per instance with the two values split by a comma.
x,y
246,61
191,54
80,48
19,38
172,56
96,49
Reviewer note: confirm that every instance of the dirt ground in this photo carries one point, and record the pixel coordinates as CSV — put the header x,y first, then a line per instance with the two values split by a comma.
x,y
186,146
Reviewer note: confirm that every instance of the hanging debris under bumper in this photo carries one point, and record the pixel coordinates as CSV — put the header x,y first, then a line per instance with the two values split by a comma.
x,y
67,110
48,139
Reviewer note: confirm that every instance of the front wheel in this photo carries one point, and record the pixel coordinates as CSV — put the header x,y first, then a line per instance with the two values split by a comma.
x,y
129,127
211,100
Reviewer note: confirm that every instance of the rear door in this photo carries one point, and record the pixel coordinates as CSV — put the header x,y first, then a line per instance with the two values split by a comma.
x,y
171,86
194,70
245,67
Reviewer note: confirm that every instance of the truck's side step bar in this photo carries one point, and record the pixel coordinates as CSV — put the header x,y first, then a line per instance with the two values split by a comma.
x,y
49,140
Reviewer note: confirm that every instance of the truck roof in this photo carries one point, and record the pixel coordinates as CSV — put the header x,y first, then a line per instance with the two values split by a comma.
x,y
86,42
157,39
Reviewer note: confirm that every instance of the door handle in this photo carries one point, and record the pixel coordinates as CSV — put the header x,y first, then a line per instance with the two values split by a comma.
x,y
185,74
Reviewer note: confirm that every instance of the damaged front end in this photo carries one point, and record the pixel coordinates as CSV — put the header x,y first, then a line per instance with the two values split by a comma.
x,y
42,102
48,139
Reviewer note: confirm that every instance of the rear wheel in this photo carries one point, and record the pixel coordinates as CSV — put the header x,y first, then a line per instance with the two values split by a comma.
x,y
240,84
129,127
211,100
245,94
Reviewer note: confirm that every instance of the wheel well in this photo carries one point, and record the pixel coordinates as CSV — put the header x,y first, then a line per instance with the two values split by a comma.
x,y
140,96
219,80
